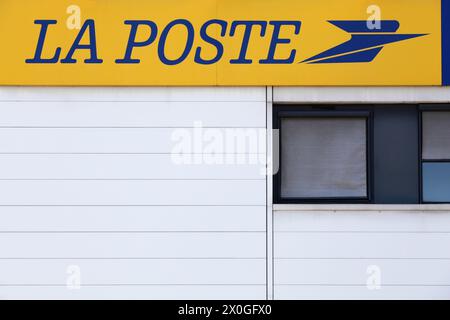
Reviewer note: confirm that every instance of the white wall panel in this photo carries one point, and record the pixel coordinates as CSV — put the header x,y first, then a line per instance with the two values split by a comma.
x,y
361,94
335,251
133,245
155,94
139,272
362,245
127,140
342,272
129,193
362,293
87,179
129,166
140,292
385,220
131,218
131,114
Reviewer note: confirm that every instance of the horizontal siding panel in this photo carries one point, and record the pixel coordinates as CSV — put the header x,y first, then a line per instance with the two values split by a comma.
x,y
126,140
133,272
87,179
360,95
328,252
237,292
161,94
363,221
155,192
132,245
133,114
361,293
128,166
362,245
126,219
356,272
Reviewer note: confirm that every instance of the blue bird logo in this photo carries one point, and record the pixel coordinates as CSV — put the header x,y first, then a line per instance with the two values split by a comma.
x,y
365,43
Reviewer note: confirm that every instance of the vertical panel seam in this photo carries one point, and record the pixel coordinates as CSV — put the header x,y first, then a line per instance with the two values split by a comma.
x,y
269,200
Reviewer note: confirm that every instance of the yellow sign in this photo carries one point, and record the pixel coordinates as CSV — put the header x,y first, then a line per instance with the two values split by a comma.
x,y
220,42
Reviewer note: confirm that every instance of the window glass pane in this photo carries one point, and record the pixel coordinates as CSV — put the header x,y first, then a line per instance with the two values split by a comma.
x,y
436,135
436,182
323,158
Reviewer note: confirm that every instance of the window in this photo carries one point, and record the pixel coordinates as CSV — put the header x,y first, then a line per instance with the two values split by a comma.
x,y
324,156
380,154
436,156
348,154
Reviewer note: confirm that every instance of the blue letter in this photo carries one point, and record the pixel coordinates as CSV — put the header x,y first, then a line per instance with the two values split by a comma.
x,y
189,42
132,39
214,42
92,46
248,31
40,45
276,41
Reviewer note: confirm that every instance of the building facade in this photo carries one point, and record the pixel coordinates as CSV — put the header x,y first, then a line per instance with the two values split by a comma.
x,y
148,154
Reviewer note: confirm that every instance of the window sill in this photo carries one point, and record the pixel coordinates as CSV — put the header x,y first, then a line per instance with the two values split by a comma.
x,y
361,207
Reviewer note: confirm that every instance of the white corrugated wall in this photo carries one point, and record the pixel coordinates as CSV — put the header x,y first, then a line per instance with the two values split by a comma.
x,y
91,195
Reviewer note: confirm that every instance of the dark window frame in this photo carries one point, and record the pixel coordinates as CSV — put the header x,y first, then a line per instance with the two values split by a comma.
x,y
326,111
428,108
